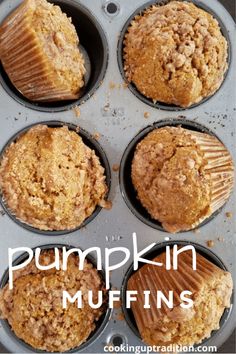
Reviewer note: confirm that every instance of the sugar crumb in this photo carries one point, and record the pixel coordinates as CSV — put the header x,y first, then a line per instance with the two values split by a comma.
x,y
210,243
116,167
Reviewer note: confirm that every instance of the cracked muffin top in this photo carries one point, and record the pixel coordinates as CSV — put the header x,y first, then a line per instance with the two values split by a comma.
x,y
50,179
181,177
34,306
175,53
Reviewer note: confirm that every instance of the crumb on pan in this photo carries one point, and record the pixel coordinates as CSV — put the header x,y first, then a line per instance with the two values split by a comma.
x,y
115,167
77,112
210,243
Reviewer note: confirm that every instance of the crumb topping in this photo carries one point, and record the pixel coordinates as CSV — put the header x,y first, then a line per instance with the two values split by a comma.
x,y
34,309
168,175
50,179
175,53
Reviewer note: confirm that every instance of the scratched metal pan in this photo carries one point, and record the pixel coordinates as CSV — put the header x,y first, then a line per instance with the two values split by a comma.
x,y
117,113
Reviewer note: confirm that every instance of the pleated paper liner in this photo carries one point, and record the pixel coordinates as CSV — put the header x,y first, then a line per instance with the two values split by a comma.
x,y
219,167
23,58
154,278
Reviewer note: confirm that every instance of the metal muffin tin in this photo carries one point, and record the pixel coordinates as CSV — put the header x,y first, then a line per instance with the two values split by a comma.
x,y
118,115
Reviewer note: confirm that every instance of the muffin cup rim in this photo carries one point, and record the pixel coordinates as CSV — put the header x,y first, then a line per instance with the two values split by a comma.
x,y
120,56
148,220
207,253
36,106
97,332
102,158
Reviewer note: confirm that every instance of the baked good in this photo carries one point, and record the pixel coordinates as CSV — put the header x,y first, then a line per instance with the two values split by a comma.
x,y
50,179
34,308
181,176
39,51
211,289
175,53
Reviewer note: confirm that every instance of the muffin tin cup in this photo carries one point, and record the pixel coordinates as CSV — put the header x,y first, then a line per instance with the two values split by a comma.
x,y
100,326
155,251
94,47
92,143
132,87
126,186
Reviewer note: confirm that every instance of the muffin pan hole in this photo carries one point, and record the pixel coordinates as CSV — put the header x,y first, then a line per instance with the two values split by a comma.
x,y
117,340
111,8
93,45
132,87
92,144
100,324
126,186
155,251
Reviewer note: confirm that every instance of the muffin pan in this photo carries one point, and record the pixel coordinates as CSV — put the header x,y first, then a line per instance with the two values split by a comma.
x,y
118,116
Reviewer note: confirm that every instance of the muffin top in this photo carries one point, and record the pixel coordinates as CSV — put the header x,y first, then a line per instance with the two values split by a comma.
x,y
34,309
168,175
50,179
175,53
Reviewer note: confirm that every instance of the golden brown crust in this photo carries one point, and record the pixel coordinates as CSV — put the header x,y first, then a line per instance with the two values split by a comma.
x,y
177,173
39,51
211,289
175,53
50,179
34,307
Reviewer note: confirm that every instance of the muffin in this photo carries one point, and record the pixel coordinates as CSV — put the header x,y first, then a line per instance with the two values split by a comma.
x,y
181,176
40,54
50,179
175,53
211,289
33,308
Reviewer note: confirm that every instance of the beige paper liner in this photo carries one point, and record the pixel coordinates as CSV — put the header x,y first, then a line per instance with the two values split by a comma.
x,y
219,167
154,278
24,61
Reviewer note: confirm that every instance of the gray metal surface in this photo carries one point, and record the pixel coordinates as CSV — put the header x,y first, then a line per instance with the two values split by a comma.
x,y
118,123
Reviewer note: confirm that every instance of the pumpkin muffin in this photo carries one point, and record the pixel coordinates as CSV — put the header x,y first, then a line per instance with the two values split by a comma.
x,y
34,310
211,289
175,53
50,179
39,51
181,176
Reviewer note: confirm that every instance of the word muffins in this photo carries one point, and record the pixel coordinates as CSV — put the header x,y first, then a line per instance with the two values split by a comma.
x,y
181,177
175,54
210,288
50,179
33,308
39,51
